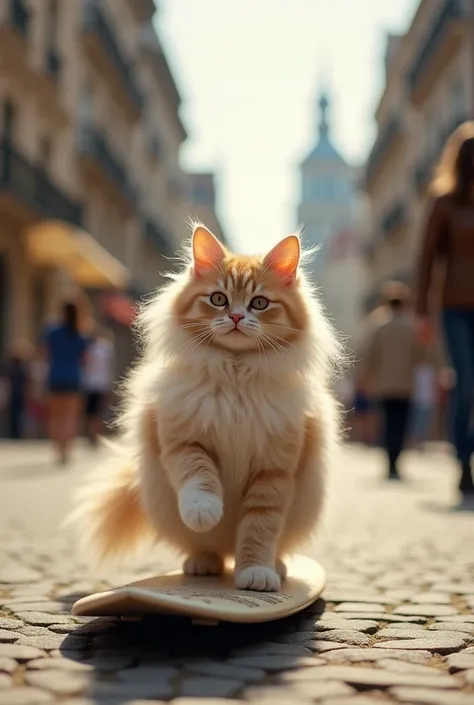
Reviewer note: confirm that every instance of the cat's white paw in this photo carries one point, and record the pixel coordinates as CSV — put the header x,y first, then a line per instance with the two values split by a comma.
x,y
199,509
280,568
203,564
258,577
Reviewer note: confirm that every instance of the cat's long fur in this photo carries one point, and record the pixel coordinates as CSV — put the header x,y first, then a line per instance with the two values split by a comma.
x,y
254,428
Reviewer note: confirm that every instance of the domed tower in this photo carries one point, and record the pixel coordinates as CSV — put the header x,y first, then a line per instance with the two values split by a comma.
x,y
327,189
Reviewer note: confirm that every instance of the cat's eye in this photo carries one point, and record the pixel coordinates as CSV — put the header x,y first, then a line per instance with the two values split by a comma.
x,y
259,303
218,299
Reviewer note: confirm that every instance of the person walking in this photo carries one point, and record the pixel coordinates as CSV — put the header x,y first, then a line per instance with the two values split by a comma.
x,y
98,380
16,374
365,415
387,370
65,349
448,240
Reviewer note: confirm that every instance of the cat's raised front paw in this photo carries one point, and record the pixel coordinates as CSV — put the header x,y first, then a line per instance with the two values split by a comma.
x,y
203,564
258,577
199,509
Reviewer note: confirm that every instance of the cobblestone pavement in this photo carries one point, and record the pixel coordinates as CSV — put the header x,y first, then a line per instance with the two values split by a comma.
x,y
396,623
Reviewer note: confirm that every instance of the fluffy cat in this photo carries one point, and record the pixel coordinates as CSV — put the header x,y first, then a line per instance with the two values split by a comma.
x,y
228,422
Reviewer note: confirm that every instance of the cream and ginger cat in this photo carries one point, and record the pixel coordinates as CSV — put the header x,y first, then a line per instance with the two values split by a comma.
x,y
228,422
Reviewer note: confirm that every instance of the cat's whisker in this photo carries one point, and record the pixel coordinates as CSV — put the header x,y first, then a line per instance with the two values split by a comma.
x,y
261,348
275,345
189,325
277,349
277,337
208,337
283,327
192,340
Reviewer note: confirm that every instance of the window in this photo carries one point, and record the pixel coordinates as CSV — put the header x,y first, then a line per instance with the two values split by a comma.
x,y
9,120
86,104
45,152
52,24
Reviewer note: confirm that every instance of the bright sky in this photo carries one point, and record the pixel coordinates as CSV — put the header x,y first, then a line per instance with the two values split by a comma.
x,y
249,72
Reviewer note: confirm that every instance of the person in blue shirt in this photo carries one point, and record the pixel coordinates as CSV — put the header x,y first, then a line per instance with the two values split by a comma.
x,y
65,349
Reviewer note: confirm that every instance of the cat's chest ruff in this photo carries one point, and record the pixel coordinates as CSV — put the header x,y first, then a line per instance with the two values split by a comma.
x,y
235,405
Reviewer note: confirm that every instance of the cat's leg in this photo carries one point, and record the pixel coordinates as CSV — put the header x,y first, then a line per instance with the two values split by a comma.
x,y
203,564
195,477
264,510
320,452
280,568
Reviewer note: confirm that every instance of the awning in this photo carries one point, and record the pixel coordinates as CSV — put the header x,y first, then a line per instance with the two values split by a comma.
x,y
58,244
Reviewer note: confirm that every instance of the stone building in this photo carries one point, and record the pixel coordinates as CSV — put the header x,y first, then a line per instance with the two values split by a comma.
x,y
91,190
428,92
201,191
329,210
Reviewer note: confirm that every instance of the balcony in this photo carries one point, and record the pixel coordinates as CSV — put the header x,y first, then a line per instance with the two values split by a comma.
x,y
442,42
53,64
393,220
388,140
154,149
18,16
103,50
156,237
424,170
154,55
14,29
104,168
27,193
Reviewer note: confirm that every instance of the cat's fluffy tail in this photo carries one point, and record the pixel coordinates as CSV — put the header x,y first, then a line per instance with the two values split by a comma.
x,y
108,514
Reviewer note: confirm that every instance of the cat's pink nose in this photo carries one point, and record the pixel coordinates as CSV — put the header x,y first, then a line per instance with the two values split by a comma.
x,y
236,317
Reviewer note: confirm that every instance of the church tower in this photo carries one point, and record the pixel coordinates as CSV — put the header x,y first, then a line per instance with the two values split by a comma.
x,y
328,193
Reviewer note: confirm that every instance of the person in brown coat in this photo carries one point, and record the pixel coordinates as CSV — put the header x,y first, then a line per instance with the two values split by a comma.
x,y
387,370
448,240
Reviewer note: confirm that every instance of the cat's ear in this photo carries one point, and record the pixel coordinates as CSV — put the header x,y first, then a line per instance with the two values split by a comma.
x,y
284,259
208,252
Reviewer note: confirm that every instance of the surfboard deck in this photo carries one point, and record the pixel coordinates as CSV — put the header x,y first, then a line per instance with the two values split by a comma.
x,y
209,599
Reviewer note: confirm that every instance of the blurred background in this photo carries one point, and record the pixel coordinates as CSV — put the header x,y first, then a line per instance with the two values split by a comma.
x,y
121,119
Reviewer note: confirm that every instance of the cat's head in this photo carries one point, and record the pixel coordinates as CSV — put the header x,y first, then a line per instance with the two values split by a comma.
x,y
238,303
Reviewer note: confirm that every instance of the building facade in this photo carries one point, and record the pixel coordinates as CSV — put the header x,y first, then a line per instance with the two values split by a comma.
x,y
327,189
343,280
428,92
329,212
201,193
92,196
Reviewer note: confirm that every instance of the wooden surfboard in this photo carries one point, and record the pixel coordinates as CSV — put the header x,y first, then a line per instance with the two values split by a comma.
x,y
209,599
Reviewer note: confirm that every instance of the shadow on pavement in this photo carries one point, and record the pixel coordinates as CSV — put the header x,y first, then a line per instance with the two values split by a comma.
x,y
466,506
156,657
404,482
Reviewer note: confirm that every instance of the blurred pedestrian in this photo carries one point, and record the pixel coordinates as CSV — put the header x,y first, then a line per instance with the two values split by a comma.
x,y
65,349
98,379
36,407
387,370
448,240
16,375
365,415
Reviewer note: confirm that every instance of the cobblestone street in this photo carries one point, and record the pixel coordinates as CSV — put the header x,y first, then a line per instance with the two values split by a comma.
x,y
396,623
